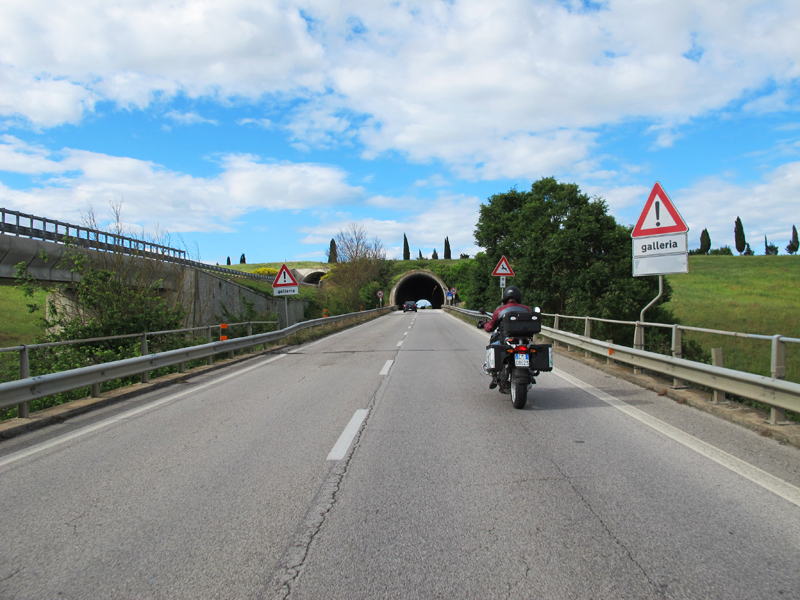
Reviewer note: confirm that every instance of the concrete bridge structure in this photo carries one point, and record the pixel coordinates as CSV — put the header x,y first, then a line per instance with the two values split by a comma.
x,y
205,295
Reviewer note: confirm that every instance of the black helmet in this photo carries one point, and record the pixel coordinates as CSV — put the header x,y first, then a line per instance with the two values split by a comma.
x,y
512,293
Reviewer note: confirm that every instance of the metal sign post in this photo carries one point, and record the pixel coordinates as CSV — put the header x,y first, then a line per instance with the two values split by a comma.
x,y
503,270
660,247
285,285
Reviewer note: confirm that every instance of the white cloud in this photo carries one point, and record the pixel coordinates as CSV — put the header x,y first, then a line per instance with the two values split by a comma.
x,y
509,88
153,194
265,123
188,118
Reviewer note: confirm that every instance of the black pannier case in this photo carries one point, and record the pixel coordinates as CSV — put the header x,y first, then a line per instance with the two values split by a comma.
x,y
522,324
541,357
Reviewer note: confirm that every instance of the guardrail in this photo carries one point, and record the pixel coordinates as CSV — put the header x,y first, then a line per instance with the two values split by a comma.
x,y
779,394
26,389
42,228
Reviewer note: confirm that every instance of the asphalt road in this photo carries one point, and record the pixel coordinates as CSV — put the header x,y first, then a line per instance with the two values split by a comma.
x,y
230,485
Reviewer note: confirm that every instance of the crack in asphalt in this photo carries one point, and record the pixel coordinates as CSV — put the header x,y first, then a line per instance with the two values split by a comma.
x,y
7,577
657,588
293,562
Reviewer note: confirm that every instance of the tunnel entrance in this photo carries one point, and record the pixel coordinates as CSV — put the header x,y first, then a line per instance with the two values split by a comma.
x,y
419,285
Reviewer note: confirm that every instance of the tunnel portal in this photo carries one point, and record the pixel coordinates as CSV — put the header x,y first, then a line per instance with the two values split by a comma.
x,y
419,285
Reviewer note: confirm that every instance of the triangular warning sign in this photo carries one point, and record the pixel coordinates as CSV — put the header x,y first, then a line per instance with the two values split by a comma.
x,y
503,269
284,278
659,216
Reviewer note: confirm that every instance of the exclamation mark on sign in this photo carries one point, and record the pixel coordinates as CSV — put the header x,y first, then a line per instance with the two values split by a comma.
x,y
658,210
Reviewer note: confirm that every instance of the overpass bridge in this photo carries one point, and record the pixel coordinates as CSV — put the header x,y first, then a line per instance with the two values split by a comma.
x,y
44,246
376,463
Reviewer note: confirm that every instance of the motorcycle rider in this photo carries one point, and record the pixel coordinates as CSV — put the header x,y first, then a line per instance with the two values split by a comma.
x,y
512,302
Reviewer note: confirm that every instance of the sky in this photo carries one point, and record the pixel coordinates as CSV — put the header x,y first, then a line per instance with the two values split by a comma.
x,y
266,127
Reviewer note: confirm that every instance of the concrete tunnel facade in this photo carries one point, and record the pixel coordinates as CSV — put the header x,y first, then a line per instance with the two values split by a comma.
x,y
416,285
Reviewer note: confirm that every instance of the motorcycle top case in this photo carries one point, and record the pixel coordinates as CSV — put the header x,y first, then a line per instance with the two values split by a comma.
x,y
541,356
522,324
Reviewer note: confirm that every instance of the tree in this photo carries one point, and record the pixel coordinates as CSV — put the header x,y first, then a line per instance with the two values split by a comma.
x,y
705,242
738,235
570,256
769,249
332,253
463,255
748,251
434,255
406,251
242,260
229,261
722,251
447,255
794,245
359,261
420,256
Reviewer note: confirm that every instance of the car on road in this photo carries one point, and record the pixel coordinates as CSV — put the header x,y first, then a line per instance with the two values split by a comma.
x,y
409,305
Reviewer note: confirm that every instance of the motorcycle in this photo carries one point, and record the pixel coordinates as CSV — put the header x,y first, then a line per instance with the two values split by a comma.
x,y
512,360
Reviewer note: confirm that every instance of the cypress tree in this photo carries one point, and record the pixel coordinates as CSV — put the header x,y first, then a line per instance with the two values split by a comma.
x,y
447,249
406,251
794,245
420,255
738,235
242,260
332,254
434,256
770,249
705,242
229,261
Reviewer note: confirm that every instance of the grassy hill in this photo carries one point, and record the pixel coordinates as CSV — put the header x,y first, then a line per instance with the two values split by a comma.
x,y
747,294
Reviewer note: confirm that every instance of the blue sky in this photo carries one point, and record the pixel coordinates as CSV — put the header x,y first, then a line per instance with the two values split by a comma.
x,y
263,128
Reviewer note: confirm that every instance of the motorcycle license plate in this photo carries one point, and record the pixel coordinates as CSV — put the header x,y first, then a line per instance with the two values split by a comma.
x,y
521,360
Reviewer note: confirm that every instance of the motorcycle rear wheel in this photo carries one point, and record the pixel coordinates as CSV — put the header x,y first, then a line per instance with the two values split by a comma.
x,y
519,395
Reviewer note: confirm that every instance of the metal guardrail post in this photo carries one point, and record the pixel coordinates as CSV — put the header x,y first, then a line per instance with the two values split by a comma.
x,y
609,360
249,349
677,352
145,374
95,390
24,373
777,415
210,359
716,360
587,332
638,343
555,326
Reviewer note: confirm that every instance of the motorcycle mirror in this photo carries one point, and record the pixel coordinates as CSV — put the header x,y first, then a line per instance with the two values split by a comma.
x,y
482,310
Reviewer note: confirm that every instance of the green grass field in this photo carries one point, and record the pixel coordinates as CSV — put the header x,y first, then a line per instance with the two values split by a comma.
x,y
17,325
747,294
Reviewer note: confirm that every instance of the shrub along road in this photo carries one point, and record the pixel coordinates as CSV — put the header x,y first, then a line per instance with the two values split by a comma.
x,y
221,487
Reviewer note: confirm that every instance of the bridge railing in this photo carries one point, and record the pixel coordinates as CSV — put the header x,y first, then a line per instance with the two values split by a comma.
x,y
775,391
41,228
27,388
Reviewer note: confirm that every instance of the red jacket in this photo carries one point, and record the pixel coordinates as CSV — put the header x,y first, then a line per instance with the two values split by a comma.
x,y
492,325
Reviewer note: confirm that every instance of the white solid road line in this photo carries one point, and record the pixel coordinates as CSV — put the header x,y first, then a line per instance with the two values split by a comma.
x,y
777,486
121,417
343,443
386,367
